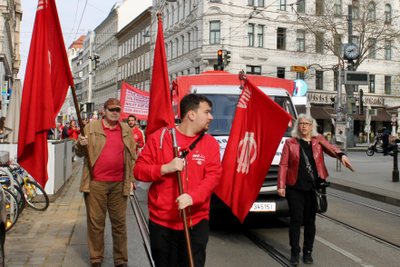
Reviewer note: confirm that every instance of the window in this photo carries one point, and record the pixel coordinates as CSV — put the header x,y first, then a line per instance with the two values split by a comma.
x,y
319,80
281,39
301,40
356,10
196,70
260,35
260,3
388,14
280,72
250,2
337,8
183,44
176,47
371,15
337,45
300,75
388,85
250,34
189,41
250,69
372,48
215,32
301,6
282,5
371,83
319,42
319,7
388,49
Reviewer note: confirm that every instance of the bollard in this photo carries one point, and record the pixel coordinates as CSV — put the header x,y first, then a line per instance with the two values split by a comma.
x,y
395,172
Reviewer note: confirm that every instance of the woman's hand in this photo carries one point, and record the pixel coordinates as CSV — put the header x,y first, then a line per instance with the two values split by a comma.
x,y
282,192
346,162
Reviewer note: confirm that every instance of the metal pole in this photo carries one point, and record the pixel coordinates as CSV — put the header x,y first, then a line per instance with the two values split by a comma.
x,y
184,216
395,172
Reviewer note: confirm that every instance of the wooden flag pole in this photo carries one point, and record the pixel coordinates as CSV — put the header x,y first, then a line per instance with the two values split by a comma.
x,y
184,216
82,129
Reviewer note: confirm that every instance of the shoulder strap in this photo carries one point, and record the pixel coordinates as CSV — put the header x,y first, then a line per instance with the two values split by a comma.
x,y
192,146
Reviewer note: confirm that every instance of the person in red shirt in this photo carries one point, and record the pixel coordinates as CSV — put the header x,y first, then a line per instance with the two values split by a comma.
x,y
112,152
137,133
200,168
73,130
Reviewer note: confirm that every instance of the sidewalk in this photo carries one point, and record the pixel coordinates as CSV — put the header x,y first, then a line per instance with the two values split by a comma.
x,y
372,177
57,236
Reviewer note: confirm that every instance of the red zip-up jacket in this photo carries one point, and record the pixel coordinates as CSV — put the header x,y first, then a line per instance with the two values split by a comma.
x,y
289,165
199,178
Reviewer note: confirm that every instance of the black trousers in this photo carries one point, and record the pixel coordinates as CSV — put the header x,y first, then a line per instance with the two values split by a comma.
x,y
302,210
168,246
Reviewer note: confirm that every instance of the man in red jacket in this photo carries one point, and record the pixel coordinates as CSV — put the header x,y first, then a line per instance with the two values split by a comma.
x,y
200,173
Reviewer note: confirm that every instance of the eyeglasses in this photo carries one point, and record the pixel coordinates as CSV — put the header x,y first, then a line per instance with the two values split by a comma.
x,y
304,123
114,110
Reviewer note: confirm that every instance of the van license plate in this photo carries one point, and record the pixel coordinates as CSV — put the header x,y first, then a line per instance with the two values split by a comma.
x,y
263,207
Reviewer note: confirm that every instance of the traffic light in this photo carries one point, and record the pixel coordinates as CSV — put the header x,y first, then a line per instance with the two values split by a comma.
x,y
360,102
227,57
220,55
96,59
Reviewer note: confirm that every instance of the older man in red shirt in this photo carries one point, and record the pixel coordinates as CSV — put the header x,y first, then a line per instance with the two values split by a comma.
x,y
112,153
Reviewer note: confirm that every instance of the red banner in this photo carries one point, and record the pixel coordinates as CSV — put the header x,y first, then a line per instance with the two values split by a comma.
x,y
134,101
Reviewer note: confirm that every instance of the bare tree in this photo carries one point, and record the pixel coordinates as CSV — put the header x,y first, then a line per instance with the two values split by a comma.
x,y
375,28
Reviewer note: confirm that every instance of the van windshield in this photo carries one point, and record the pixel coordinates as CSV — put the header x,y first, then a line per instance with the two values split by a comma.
x,y
224,109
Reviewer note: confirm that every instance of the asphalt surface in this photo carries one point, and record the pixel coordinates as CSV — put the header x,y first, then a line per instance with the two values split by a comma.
x,y
57,236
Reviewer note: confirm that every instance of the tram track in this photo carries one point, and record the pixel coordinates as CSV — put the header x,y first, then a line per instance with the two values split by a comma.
x,y
143,226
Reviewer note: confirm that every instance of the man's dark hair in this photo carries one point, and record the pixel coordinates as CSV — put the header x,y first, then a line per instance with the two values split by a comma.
x,y
192,102
132,116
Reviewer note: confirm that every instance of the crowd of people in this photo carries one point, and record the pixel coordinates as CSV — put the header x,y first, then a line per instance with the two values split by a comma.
x,y
118,154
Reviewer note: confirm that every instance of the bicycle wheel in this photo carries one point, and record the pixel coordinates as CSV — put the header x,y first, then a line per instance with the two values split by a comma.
x,y
35,196
12,211
17,191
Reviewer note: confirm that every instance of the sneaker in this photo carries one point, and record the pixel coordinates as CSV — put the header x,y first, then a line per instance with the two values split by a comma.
x,y
294,259
307,258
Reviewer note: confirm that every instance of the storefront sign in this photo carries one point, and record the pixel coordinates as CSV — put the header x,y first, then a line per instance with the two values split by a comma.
x,y
325,98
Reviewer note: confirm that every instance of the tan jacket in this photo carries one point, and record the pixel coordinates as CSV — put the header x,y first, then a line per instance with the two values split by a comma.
x,y
96,141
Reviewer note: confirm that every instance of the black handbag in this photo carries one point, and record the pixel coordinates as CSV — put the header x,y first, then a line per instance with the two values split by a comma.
x,y
320,185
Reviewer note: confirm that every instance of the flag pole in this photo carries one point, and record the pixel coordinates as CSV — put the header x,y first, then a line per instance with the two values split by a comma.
x,y
184,215
82,129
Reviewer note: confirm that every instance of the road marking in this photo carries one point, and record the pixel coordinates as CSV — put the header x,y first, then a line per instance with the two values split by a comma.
x,y
343,252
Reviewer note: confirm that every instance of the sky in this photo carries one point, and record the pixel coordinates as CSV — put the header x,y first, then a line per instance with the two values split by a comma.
x,y
72,22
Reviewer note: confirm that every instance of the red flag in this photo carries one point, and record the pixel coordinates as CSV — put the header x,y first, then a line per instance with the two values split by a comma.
x,y
257,129
47,79
160,108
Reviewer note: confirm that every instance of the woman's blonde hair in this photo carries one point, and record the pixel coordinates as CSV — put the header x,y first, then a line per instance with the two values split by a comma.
x,y
295,130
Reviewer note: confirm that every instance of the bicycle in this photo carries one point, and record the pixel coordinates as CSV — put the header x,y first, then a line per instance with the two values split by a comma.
x,y
34,194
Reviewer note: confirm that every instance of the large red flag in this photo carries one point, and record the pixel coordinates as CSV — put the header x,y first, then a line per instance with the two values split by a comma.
x,y
46,83
160,108
257,129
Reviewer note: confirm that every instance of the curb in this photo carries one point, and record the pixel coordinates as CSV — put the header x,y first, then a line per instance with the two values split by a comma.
x,y
368,194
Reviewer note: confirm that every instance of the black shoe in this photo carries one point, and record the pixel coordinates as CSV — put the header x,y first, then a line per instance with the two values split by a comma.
x,y
122,265
294,259
96,264
307,258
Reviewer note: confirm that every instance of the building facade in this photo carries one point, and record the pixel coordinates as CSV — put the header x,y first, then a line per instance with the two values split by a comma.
x,y
267,37
10,61
134,57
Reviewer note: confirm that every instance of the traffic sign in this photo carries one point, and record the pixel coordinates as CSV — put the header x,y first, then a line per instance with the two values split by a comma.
x,y
356,77
298,68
